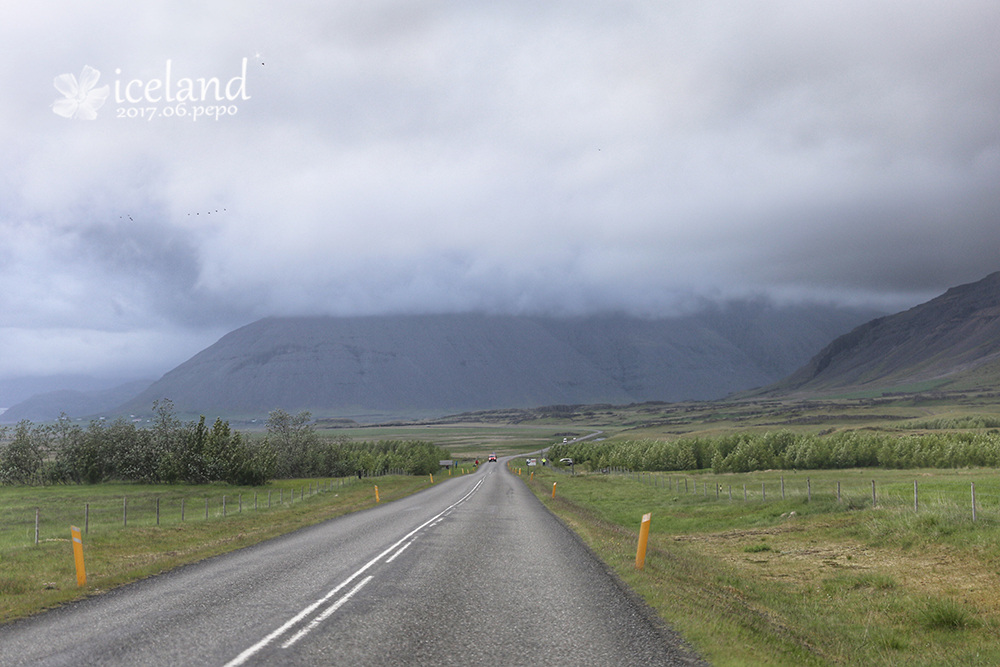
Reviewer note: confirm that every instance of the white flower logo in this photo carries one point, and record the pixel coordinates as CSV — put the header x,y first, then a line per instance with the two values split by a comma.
x,y
82,99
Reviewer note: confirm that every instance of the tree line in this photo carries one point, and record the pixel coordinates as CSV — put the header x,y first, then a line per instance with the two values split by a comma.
x,y
171,451
784,450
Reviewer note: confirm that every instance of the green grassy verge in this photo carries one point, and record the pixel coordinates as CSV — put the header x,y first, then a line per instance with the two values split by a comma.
x,y
35,577
466,441
800,582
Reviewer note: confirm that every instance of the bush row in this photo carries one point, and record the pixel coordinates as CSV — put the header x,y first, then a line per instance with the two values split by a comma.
x,y
171,451
747,452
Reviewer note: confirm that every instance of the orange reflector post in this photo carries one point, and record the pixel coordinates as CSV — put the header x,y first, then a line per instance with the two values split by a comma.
x,y
81,572
553,489
376,494
640,555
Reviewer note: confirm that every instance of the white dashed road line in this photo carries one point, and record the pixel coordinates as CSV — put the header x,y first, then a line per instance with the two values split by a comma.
x,y
295,620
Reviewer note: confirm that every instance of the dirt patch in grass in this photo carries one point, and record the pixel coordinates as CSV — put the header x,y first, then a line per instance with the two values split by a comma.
x,y
804,557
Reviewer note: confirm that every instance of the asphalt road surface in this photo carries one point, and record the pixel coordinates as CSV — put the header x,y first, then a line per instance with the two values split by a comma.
x,y
473,571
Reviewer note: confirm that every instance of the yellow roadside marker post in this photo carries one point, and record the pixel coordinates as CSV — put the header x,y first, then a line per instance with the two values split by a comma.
x,y
553,490
81,572
432,478
376,494
531,477
640,554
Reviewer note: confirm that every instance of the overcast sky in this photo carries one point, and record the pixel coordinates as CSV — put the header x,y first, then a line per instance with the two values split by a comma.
x,y
521,157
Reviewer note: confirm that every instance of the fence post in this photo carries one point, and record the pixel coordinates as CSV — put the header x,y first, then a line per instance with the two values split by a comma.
x,y
86,519
915,505
763,492
269,498
973,501
223,506
206,509
744,492
838,492
716,490
255,501
782,487
182,509
874,501
37,514
809,490
124,511
157,510
730,492
241,503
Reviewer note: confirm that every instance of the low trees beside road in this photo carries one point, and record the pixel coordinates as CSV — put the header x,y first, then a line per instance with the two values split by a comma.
x,y
170,451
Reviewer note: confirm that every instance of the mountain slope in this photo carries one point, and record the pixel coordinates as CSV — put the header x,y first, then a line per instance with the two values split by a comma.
x,y
437,364
953,337
49,405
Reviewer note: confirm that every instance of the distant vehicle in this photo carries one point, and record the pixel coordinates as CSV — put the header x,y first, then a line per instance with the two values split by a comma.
x,y
492,458
568,462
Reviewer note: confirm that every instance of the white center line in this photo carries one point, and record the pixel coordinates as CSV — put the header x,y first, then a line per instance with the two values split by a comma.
x,y
401,550
326,614
288,625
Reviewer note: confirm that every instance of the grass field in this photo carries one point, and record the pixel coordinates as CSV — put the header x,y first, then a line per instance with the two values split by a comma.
x,y
34,577
804,579
889,412
468,441
800,582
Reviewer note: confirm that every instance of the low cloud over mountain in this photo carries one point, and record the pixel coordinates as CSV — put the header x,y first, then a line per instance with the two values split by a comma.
x,y
436,364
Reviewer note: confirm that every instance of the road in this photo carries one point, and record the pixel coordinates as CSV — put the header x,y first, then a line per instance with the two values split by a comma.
x,y
472,571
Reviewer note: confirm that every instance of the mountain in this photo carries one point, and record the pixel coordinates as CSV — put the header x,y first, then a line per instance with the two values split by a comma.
x,y
431,365
49,405
17,389
951,341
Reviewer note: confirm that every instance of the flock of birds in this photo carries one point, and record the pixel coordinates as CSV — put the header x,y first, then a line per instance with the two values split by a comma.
x,y
122,217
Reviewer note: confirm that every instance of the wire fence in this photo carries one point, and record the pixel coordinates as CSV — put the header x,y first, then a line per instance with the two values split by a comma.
x,y
977,502
152,506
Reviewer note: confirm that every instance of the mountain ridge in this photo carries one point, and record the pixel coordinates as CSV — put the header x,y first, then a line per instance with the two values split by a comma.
x,y
949,339
444,364
74,403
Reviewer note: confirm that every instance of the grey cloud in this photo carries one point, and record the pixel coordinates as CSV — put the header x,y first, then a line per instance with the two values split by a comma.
x,y
433,157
